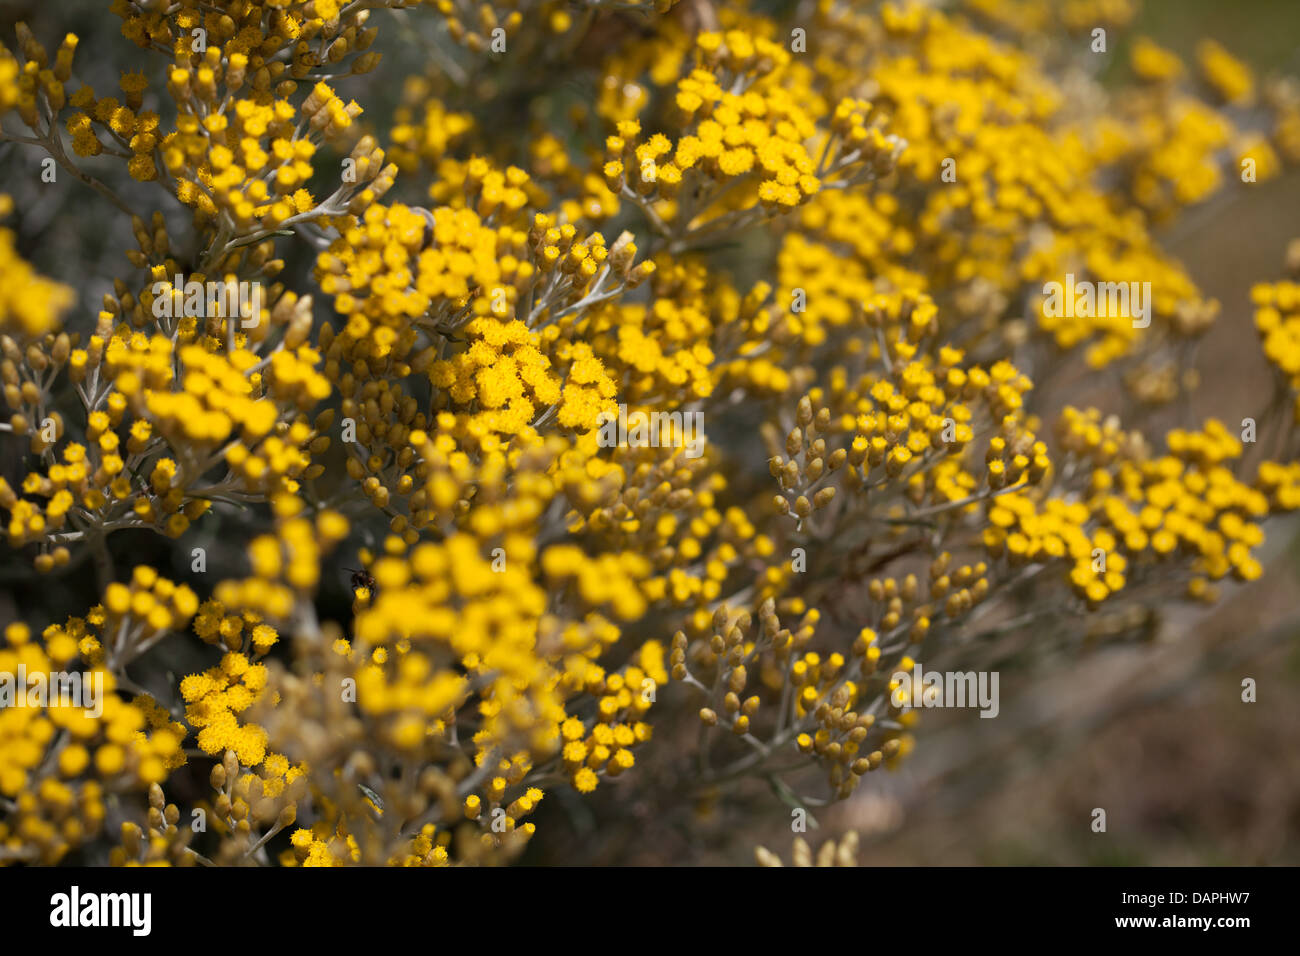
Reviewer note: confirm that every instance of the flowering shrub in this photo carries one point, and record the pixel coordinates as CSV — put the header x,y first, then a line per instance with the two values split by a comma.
x,y
834,233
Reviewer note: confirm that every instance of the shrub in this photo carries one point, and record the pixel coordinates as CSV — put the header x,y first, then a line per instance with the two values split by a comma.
x,y
705,379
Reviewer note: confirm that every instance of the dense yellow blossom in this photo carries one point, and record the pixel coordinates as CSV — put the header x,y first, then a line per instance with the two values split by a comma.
x,y
716,383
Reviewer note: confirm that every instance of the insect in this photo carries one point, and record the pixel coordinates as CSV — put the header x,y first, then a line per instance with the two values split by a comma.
x,y
362,579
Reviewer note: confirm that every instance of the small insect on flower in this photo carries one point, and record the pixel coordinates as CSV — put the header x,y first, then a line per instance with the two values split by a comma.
x,y
362,579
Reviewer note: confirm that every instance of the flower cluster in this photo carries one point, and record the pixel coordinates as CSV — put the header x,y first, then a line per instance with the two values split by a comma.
x,y
1277,319
60,761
